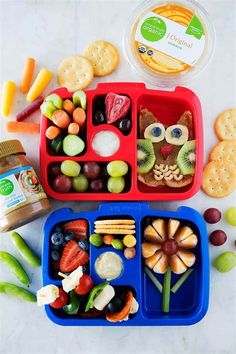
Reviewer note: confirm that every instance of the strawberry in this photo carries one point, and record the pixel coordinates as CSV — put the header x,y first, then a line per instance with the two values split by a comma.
x,y
72,257
117,106
78,227
166,150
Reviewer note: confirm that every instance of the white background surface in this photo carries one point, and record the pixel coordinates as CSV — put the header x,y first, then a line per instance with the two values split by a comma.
x,y
50,31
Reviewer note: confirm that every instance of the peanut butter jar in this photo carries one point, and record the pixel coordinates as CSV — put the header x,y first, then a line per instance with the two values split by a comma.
x,y
22,198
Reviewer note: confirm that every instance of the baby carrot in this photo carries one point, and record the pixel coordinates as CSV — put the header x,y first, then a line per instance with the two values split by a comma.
x,y
39,85
22,127
73,128
52,132
8,93
79,116
27,75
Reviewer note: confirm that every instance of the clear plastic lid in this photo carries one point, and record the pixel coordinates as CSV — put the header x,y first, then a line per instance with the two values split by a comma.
x,y
169,42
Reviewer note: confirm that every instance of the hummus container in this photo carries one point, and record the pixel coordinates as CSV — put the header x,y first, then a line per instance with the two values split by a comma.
x,y
169,42
187,306
167,106
22,198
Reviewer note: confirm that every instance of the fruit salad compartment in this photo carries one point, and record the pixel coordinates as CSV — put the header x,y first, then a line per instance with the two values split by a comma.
x,y
187,306
167,106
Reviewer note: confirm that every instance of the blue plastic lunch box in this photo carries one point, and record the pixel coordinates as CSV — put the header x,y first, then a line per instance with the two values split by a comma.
x,y
187,306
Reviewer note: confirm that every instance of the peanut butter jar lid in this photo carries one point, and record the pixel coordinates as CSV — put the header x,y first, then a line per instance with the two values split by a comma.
x,y
10,147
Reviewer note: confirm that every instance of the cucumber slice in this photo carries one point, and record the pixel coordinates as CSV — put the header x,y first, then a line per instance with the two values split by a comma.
x,y
56,144
47,109
73,145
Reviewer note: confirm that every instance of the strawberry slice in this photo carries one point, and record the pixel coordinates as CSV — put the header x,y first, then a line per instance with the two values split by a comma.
x,y
117,106
78,227
166,150
72,257
109,103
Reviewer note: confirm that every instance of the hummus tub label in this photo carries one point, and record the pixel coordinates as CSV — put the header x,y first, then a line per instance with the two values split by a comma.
x,y
169,39
19,187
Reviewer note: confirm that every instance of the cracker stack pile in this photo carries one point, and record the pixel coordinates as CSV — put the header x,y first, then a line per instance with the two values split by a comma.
x,y
219,175
115,227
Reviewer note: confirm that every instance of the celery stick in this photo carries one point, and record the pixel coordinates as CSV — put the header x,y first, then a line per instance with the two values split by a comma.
x,y
152,277
181,280
166,291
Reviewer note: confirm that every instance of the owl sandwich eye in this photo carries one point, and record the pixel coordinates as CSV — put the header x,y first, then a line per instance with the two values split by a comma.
x,y
155,132
177,134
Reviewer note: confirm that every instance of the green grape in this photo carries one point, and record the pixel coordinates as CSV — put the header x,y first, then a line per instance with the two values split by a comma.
x,y
225,262
231,216
117,168
80,183
70,168
116,184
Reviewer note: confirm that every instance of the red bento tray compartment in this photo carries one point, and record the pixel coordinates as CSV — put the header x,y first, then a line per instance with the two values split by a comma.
x,y
167,105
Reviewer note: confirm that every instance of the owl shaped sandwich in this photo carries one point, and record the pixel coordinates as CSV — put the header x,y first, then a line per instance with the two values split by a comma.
x,y
166,154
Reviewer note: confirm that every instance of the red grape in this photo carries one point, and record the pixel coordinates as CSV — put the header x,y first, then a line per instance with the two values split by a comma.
x,y
62,184
97,185
91,170
217,237
54,169
170,247
212,215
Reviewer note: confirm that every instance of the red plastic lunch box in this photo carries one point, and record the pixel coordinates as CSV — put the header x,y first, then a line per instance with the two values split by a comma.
x,y
167,105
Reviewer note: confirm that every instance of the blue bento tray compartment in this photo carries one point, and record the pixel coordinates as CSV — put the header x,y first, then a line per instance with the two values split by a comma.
x,y
188,306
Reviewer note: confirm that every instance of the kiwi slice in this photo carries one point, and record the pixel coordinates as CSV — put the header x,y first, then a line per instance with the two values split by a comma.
x,y
186,158
146,156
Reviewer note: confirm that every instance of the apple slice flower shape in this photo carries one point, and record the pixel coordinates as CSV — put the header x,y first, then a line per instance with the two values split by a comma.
x,y
168,245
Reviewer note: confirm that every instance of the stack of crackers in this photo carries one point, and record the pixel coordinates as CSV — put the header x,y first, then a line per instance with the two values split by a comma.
x,y
115,227
219,175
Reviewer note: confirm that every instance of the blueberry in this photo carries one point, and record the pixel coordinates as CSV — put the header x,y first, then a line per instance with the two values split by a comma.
x,y
69,236
85,269
156,131
57,229
124,125
83,244
99,118
55,255
56,247
57,238
176,133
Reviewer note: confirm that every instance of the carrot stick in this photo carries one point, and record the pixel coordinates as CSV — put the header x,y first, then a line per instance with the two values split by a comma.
x,y
22,127
39,85
8,93
27,75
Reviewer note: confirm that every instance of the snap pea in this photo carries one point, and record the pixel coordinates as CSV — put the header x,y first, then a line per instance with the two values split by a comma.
x,y
24,250
15,266
17,291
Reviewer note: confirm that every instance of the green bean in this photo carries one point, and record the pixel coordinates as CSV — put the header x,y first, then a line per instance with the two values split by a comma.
x,y
24,250
17,291
15,266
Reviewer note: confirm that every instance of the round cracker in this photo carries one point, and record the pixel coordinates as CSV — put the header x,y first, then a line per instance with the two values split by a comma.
x,y
103,56
225,125
224,151
219,179
75,73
